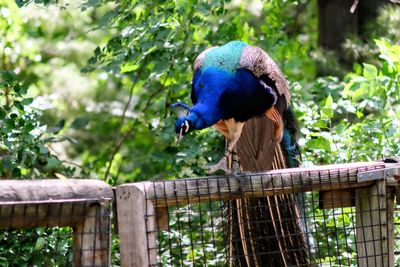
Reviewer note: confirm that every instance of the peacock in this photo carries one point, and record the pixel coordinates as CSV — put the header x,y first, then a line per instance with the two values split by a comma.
x,y
239,90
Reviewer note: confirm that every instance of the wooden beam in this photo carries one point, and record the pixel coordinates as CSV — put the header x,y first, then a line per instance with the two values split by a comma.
x,y
92,237
53,189
162,218
339,198
286,181
48,203
390,227
137,226
374,226
50,213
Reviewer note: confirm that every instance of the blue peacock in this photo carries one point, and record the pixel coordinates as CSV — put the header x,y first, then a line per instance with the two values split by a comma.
x,y
231,84
239,90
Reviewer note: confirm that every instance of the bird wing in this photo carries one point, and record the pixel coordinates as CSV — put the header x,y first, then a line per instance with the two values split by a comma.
x,y
261,136
261,65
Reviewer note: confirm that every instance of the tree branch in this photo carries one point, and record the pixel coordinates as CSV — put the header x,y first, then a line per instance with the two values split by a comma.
x,y
121,139
115,151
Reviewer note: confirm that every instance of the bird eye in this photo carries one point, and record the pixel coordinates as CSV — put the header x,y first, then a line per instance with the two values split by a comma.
x,y
200,85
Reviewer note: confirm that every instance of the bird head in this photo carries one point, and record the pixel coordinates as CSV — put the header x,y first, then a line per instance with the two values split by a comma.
x,y
183,125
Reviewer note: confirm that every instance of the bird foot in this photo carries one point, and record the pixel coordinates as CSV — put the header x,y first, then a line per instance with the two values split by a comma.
x,y
221,165
235,164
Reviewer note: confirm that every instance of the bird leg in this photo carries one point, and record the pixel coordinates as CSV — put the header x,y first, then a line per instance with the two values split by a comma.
x,y
235,130
235,162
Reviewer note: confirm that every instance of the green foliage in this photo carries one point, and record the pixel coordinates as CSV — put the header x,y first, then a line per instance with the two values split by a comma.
x,y
25,145
191,225
151,55
24,142
356,119
39,247
22,3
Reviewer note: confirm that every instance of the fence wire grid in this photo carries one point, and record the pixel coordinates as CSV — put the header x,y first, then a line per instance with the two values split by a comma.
x,y
315,218
55,233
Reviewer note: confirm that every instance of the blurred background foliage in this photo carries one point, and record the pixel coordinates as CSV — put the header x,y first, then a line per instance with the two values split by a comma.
x,y
85,85
102,74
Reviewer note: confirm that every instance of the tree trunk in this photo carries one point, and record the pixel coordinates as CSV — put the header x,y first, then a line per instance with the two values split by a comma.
x,y
336,22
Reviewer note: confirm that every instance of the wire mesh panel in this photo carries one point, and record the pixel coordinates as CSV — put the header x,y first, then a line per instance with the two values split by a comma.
x,y
46,239
249,220
47,223
194,236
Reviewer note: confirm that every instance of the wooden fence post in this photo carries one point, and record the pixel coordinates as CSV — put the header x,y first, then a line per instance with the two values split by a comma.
x,y
137,226
92,237
374,226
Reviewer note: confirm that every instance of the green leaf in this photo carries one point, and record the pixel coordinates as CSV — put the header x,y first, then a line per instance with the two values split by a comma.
x,y
24,88
52,163
43,150
327,109
370,71
2,113
27,101
7,77
58,127
79,123
357,68
318,143
40,242
321,123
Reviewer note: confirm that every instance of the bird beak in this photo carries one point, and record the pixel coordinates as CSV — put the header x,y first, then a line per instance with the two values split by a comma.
x,y
179,136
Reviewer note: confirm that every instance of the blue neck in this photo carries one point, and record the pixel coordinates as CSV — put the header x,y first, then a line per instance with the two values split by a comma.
x,y
202,116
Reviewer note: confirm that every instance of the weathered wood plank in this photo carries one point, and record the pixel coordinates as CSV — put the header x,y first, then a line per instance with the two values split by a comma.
x,y
48,203
339,198
286,181
52,189
92,237
373,237
390,227
137,226
50,213
162,218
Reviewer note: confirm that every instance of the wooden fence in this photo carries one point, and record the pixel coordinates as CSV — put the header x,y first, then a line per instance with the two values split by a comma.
x,y
144,209
84,205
